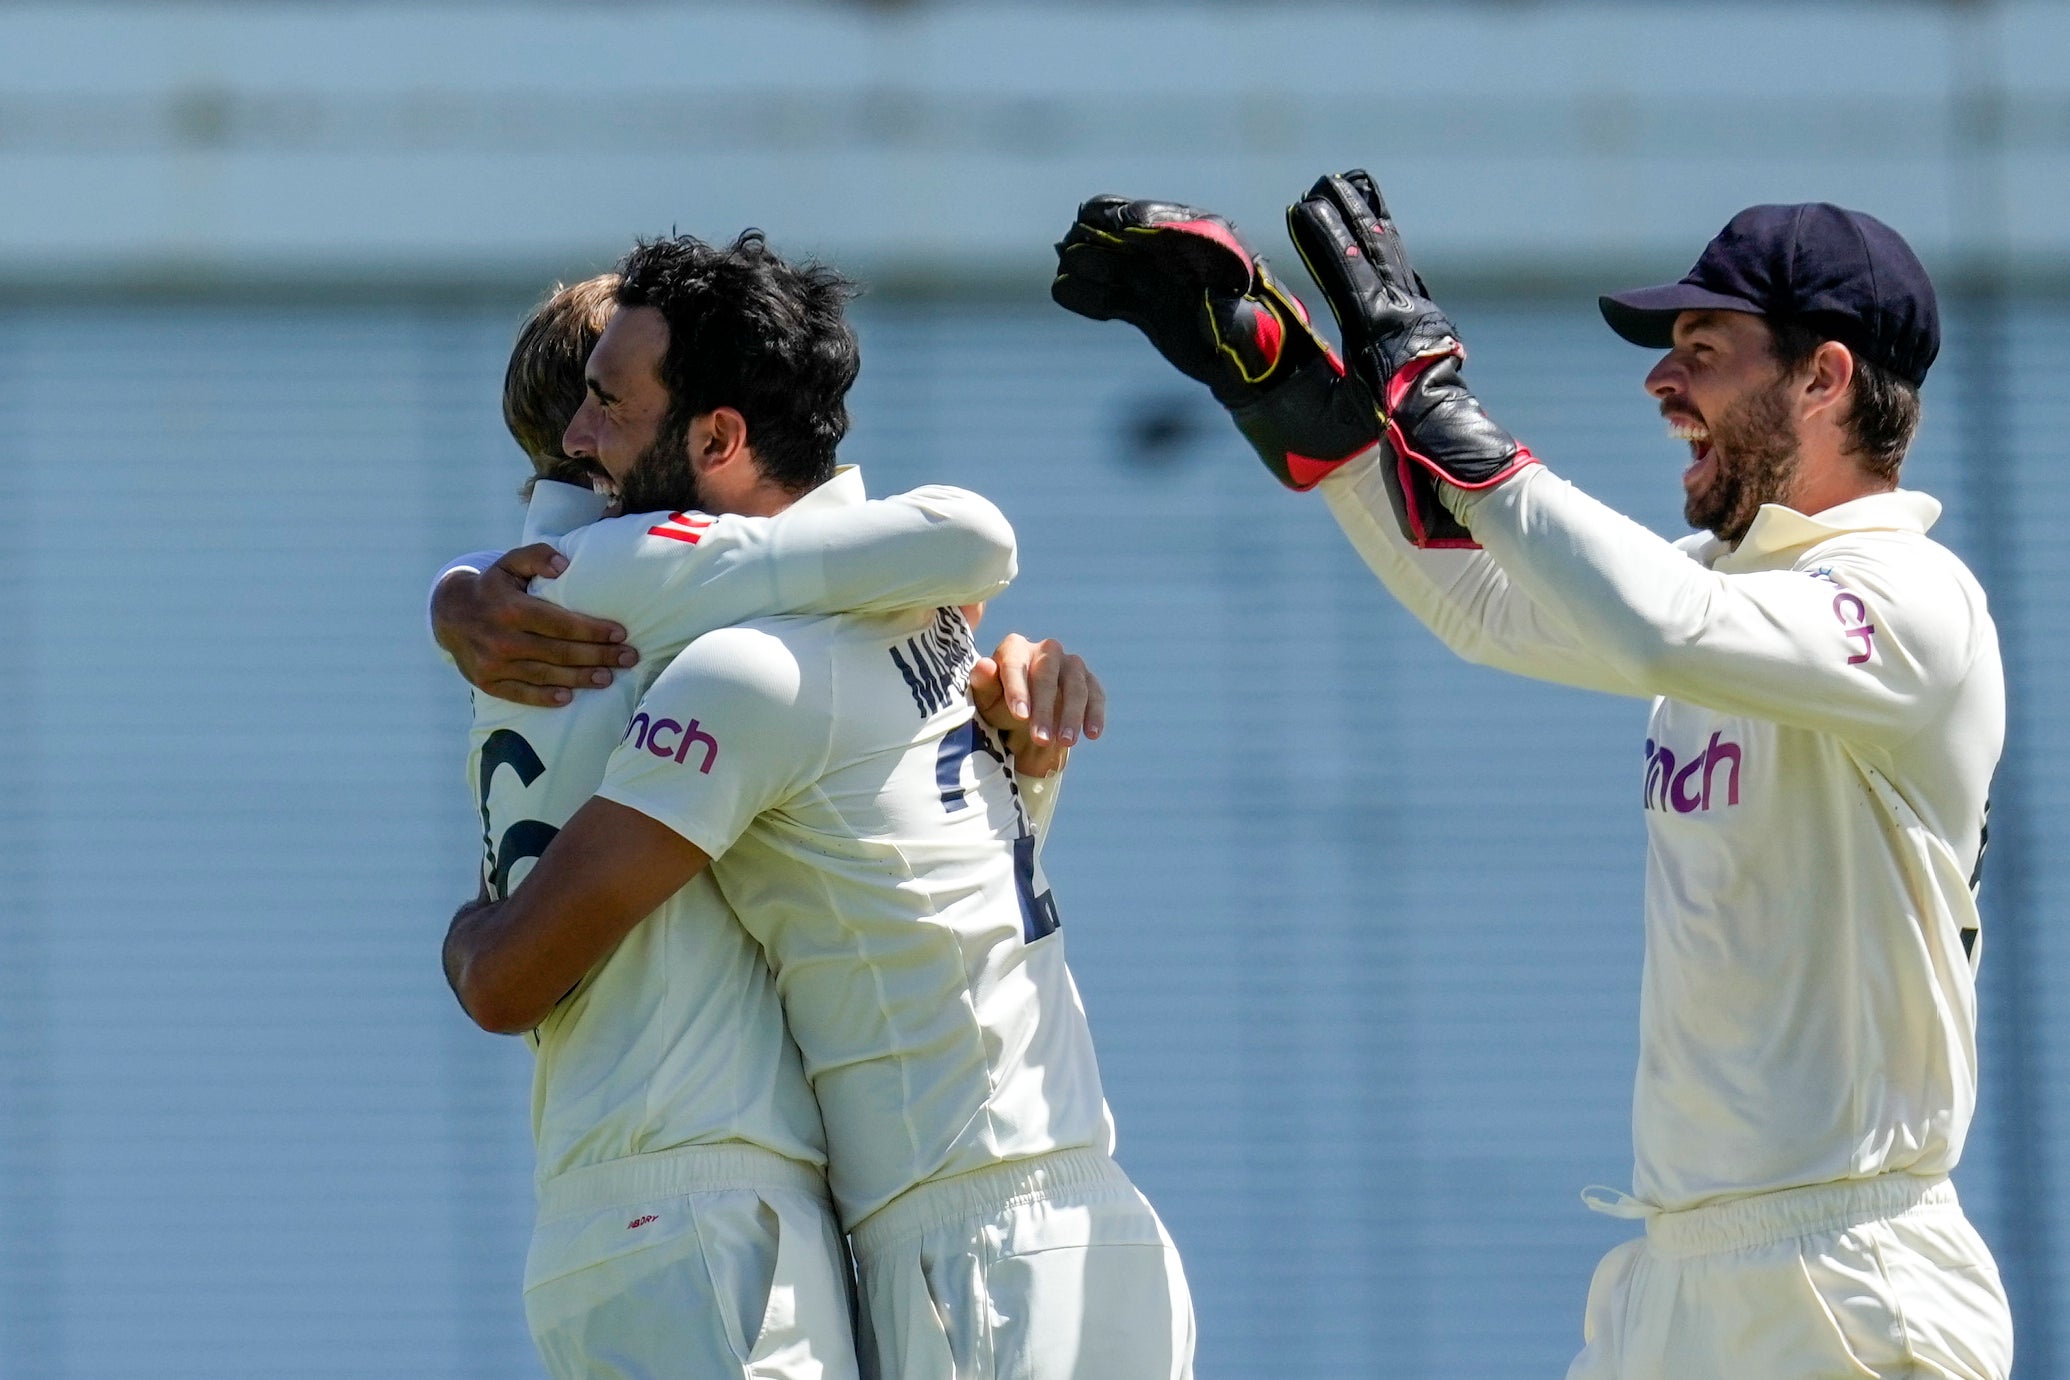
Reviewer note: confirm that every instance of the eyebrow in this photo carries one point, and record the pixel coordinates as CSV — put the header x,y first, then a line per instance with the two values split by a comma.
x,y
1703,321
602,394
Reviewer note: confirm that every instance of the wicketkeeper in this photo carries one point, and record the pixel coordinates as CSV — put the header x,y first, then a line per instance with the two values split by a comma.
x,y
1827,710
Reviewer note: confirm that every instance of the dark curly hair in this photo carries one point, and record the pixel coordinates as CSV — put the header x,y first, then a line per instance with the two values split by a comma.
x,y
750,331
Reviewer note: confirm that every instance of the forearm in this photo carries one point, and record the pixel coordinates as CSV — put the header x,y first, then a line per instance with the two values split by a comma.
x,y
1627,591
473,563
1769,642
503,987
1462,596
511,961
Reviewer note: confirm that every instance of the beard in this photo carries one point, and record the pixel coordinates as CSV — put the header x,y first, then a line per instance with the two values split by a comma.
x,y
661,478
1754,456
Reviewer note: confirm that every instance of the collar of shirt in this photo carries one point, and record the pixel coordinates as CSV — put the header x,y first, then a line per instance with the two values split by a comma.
x,y
1778,529
844,490
557,509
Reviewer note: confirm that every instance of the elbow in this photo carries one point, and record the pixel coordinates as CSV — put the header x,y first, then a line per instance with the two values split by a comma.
x,y
499,1015
989,554
1466,637
1660,662
995,555
493,1006
501,1018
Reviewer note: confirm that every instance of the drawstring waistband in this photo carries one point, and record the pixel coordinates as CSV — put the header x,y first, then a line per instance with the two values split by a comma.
x,y
1613,1202
1760,1219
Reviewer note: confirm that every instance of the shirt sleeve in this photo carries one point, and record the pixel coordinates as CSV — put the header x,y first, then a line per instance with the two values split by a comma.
x,y
733,727
1463,596
1865,644
933,546
1039,796
671,581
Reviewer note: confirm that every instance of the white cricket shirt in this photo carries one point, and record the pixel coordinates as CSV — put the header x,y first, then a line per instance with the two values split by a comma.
x,y
869,831
1828,708
676,1038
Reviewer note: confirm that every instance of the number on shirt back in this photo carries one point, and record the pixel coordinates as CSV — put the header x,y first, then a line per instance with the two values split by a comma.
x,y
1038,907
526,838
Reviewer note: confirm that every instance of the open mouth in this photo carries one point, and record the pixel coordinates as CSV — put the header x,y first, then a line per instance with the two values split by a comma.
x,y
1697,437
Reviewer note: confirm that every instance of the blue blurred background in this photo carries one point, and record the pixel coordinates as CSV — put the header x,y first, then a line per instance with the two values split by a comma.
x,y
1358,926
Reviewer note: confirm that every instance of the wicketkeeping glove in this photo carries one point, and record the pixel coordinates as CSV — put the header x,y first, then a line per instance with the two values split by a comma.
x,y
1404,349
1211,306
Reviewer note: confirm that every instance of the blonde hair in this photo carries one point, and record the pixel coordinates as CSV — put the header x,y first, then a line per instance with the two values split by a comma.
x,y
543,386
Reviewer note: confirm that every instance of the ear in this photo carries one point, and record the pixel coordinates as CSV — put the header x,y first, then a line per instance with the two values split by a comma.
x,y
717,439
1826,380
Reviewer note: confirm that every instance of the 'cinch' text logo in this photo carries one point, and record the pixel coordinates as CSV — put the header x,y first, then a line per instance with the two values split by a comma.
x,y
650,734
1687,787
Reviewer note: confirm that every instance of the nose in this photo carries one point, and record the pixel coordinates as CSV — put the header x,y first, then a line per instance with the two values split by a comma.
x,y
579,441
1664,379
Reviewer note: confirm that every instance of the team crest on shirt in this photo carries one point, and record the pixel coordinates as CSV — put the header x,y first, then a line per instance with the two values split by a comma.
x,y
936,664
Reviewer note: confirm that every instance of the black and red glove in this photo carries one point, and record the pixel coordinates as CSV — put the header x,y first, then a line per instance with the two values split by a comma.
x,y
1404,349
1211,306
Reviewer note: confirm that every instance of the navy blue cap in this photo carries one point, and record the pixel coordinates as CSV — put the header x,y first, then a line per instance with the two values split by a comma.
x,y
1845,274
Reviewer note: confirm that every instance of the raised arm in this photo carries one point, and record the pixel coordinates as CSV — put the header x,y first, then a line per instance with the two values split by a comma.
x,y
1211,306
669,579
540,623
1865,644
1859,644
1463,596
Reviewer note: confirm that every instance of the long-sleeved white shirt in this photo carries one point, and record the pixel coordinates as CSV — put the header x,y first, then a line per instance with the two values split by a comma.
x,y
873,836
677,1036
1828,708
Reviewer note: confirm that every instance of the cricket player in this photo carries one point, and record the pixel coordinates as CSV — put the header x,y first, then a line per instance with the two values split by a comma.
x,y
875,837
683,1225
1827,711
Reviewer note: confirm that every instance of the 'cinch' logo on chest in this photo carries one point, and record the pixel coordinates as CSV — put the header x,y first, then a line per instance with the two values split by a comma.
x,y
1709,778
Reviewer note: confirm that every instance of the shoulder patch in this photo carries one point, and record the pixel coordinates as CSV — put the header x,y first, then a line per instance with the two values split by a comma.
x,y
685,527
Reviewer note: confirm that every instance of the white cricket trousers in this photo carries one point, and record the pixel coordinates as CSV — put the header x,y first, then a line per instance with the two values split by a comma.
x,y
1870,1279
1049,1268
698,1263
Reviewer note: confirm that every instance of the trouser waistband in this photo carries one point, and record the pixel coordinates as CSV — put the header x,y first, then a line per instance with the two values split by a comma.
x,y
1766,1218
939,1202
670,1173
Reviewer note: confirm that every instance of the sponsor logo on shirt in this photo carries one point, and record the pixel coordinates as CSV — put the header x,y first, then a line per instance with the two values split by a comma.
x,y
936,665
1685,787
667,738
1854,622
1853,615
